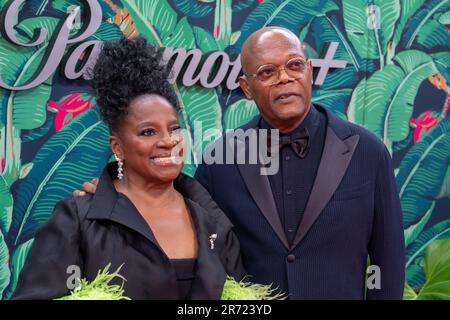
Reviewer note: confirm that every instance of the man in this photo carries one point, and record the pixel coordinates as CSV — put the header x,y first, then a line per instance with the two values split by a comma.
x,y
309,228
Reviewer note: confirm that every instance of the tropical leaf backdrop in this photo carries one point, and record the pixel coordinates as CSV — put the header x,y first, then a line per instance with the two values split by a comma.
x,y
395,84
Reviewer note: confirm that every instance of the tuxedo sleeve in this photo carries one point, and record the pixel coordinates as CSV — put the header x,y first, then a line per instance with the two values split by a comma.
x,y
203,176
387,248
45,274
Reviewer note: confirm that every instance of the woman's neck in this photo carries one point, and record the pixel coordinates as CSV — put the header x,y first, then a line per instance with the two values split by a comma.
x,y
157,194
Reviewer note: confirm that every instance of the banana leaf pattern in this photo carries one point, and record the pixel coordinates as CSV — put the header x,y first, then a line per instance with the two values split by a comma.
x,y
395,84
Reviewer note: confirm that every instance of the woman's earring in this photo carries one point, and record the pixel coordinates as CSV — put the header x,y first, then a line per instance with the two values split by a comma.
x,y
120,169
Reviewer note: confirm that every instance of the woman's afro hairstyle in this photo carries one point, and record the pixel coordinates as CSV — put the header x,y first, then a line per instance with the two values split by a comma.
x,y
125,70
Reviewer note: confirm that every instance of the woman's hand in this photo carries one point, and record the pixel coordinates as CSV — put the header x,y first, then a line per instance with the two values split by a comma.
x,y
88,187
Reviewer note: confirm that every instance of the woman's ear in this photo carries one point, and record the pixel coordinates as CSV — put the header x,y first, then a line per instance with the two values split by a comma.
x,y
116,148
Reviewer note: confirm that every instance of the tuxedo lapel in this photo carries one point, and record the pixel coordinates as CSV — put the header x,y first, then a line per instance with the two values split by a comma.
x,y
336,157
259,187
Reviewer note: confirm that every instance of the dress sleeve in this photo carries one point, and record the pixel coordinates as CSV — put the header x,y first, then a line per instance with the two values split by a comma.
x,y
54,258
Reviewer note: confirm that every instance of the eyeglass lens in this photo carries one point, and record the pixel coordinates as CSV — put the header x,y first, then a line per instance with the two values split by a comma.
x,y
269,74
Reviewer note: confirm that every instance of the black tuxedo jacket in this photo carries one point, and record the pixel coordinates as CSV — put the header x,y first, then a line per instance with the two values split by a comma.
x,y
353,213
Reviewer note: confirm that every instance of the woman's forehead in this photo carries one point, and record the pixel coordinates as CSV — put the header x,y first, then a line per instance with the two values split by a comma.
x,y
151,107
144,100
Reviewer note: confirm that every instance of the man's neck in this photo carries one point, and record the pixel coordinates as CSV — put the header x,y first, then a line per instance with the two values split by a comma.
x,y
289,126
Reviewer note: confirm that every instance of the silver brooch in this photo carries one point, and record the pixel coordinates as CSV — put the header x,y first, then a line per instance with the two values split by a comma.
x,y
212,238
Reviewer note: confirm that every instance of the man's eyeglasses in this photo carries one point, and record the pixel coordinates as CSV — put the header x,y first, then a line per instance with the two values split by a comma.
x,y
269,74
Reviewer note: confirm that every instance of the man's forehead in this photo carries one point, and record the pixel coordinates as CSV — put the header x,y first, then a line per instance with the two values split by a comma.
x,y
275,34
271,48
269,45
277,54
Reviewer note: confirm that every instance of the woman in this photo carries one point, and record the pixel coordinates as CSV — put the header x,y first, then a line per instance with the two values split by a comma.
x,y
174,242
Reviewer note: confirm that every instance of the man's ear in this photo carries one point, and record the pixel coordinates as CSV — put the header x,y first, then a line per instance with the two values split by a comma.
x,y
311,71
114,142
245,87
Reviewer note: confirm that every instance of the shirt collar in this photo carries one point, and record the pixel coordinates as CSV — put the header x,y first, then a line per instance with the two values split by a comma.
x,y
106,197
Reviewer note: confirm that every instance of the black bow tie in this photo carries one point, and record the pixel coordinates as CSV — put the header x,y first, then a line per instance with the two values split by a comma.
x,y
299,142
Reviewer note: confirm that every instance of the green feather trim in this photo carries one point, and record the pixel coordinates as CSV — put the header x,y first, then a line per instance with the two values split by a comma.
x,y
99,289
242,290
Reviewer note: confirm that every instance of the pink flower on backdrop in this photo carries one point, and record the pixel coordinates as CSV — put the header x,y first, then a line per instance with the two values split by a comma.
x,y
429,119
260,1
69,107
424,123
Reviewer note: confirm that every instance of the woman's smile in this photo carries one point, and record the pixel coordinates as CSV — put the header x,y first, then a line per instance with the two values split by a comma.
x,y
167,160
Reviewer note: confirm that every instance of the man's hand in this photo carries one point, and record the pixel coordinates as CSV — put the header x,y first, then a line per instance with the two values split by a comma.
x,y
88,187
